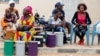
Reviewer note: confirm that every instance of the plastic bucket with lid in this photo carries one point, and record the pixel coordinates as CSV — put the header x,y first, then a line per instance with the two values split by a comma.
x,y
51,40
32,48
20,48
59,38
8,48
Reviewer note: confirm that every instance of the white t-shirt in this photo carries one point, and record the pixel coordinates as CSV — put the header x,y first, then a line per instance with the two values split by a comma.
x,y
53,21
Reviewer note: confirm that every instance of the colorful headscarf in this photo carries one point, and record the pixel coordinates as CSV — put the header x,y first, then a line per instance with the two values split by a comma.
x,y
29,9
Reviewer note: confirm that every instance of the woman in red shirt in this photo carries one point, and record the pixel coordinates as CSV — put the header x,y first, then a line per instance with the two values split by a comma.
x,y
81,19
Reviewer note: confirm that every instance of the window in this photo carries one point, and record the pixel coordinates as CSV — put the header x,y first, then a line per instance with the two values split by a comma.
x,y
6,1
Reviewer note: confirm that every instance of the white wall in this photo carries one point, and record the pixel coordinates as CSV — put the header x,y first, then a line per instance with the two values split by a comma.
x,y
70,6
93,9
44,7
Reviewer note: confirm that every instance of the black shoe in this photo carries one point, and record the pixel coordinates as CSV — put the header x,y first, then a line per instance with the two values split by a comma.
x,y
68,38
66,42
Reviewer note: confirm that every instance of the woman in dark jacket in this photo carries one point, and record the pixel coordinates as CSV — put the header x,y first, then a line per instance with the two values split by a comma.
x,y
81,19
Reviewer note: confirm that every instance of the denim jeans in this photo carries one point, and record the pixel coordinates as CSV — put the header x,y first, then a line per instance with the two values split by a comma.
x,y
80,32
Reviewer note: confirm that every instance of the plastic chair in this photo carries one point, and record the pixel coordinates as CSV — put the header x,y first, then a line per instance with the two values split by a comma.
x,y
94,32
71,37
87,34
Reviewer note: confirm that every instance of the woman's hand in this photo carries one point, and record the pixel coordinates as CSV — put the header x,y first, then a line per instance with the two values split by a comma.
x,y
10,24
77,24
58,24
63,23
8,20
84,25
20,26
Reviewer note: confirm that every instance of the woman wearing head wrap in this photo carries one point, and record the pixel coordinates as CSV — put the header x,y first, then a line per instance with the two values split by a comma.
x,y
25,26
6,20
7,25
13,10
30,9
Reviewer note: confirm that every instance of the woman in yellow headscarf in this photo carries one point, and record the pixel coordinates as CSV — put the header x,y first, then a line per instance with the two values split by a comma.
x,y
25,29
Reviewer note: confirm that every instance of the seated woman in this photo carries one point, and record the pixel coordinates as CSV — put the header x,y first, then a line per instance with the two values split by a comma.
x,y
56,24
7,22
81,19
25,29
13,10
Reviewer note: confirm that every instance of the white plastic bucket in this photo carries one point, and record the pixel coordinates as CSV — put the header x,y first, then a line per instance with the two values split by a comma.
x,y
59,38
20,48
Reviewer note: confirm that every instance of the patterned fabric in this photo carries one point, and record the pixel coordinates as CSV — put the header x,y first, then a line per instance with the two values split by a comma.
x,y
3,23
14,11
25,35
30,21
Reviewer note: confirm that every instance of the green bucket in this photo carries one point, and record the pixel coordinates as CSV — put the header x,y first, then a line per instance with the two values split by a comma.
x,y
8,48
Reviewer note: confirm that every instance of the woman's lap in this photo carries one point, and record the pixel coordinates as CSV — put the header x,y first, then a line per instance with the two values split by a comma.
x,y
77,30
25,35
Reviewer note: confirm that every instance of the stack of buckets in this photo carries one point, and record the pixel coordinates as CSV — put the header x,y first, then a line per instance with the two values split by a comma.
x,y
54,39
20,48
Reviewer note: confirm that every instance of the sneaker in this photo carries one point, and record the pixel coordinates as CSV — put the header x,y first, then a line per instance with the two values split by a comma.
x,y
82,42
65,42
